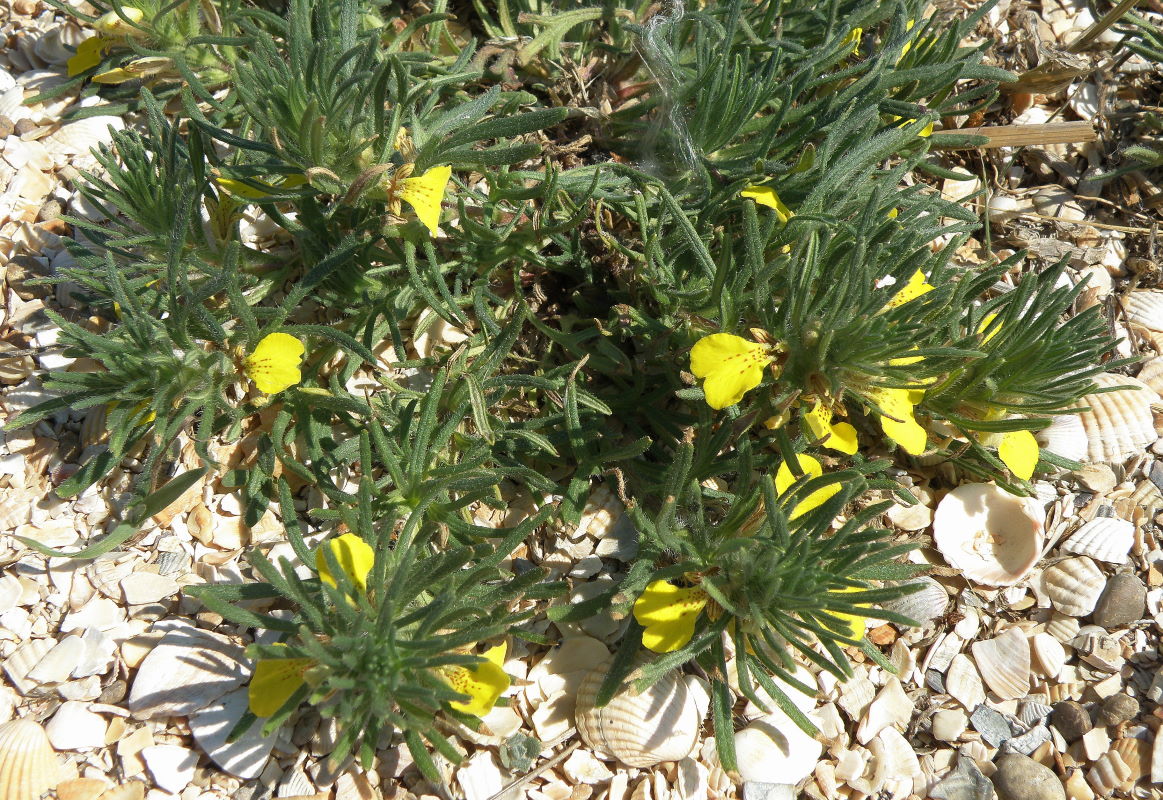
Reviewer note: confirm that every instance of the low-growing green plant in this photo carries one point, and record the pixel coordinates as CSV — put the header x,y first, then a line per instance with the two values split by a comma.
x,y
718,284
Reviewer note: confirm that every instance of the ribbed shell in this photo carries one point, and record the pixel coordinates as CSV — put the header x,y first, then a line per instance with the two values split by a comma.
x,y
1144,308
1074,585
1004,663
1065,436
1049,656
28,764
1120,423
1152,374
1108,773
925,605
1104,538
640,729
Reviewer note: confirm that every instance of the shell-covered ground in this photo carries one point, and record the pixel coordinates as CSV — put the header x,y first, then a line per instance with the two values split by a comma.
x,y
1037,671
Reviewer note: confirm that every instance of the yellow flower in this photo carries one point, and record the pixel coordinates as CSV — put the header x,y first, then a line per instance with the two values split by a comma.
x,y
924,132
483,683
110,24
424,193
766,196
812,468
89,54
668,613
731,366
908,45
856,624
274,364
354,556
147,67
1019,451
274,681
836,436
916,286
897,418
853,38
243,189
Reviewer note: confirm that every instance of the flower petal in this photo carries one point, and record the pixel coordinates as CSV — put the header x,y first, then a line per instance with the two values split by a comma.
x,y
897,418
483,683
274,681
813,469
274,364
425,193
1019,451
853,38
984,327
766,196
856,624
731,366
668,614
88,55
916,287
354,556
838,436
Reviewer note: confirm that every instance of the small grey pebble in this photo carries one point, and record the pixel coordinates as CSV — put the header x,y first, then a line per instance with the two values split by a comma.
x,y
1123,601
1020,777
7,126
1115,709
935,680
1071,720
992,725
114,693
24,126
1156,474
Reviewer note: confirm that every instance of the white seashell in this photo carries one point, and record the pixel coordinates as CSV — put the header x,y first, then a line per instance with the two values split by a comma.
x,y
1107,773
1119,423
19,664
28,765
891,707
1063,628
76,138
1064,436
51,48
1004,663
1073,585
774,750
1049,656
640,729
990,535
1144,308
1104,538
893,757
925,605
1152,374
1099,649
963,683
82,789
12,104
438,336
1136,754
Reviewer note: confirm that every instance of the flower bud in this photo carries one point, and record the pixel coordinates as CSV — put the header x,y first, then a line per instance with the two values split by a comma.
x,y
113,24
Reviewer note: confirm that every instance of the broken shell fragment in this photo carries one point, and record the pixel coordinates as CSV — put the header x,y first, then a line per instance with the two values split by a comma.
x,y
1104,538
1073,585
990,535
1144,309
28,765
640,729
923,606
1004,663
1049,656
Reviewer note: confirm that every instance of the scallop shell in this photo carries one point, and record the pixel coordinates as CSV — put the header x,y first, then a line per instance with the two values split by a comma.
x,y
1152,374
990,535
1063,628
1004,663
1107,773
1120,423
1104,538
925,605
1136,754
1049,656
1144,308
28,765
93,430
1065,436
76,138
1074,585
640,729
